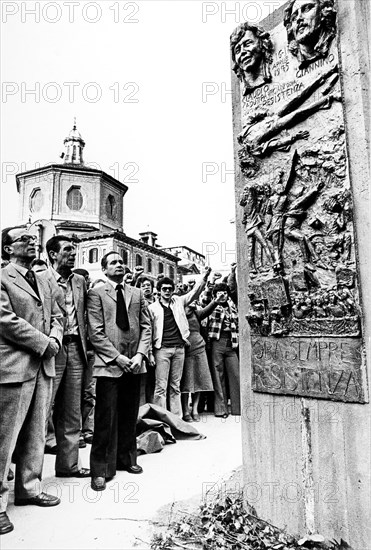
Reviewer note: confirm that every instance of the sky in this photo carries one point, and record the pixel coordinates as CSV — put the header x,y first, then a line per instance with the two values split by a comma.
x,y
149,84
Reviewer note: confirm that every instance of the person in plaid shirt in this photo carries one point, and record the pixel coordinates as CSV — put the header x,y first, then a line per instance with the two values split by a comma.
x,y
223,336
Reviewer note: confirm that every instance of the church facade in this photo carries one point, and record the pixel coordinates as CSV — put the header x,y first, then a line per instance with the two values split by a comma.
x,y
88,205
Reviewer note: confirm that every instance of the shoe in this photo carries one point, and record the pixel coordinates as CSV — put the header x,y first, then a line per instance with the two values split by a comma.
x,y
50,450
83,472
5,524
10,475
43,499
98,483
82,444
196,417
135,469
187,418
88,439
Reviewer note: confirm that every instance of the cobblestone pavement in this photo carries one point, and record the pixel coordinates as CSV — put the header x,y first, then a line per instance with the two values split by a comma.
x,y
120,517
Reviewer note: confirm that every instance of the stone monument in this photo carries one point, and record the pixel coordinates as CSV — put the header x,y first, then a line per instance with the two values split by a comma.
x,y
300,115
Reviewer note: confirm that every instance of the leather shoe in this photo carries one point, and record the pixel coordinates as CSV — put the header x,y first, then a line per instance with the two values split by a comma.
x,y
134,469
98,483
5,524
10,475
50,450
43,499
83,472
82,443
88,439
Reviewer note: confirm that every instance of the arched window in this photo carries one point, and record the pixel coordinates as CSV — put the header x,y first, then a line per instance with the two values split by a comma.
x,y
138,260
93,255
36,199
171,272
149,265
74,198
125,255
161,268
111,207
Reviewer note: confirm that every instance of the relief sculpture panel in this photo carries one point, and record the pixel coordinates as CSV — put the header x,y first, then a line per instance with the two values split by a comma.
x,y
295,204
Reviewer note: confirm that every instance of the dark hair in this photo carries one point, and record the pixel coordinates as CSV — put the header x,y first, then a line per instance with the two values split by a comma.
x,y
6,239
54,244
104,261
143,279
37,261
221,287
81,271
327,29
165,281
265,44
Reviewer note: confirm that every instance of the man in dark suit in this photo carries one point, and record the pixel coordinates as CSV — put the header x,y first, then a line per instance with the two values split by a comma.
x,y
71,361
120,333
30,337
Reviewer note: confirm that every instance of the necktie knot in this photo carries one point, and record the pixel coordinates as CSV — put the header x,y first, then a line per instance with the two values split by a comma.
x,y
30,275
31,279
119,287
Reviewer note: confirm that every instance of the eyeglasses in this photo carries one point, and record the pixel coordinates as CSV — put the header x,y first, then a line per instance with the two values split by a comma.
x,y
166,288
25,239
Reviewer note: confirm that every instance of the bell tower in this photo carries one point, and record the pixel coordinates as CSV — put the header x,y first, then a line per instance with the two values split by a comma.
x,y
74,145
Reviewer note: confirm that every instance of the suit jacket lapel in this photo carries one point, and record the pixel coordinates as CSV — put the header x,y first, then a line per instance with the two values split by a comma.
x,y
58,293
76,290
128,295
21,282
110,291
40,286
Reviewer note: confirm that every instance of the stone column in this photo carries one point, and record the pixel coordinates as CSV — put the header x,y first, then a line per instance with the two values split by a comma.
x,y
301,138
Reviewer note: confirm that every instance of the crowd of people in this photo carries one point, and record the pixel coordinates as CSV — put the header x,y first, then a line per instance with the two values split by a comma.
x,y
77,359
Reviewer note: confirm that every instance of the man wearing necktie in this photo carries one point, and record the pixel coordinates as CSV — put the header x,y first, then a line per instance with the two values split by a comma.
x,y
120,333
30,336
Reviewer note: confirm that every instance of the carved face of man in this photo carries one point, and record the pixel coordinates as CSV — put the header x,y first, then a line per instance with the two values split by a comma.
x,y
305,20
248,52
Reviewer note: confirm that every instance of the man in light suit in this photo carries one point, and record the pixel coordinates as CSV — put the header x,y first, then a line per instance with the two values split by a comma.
x,y
120,333
71,361
30,337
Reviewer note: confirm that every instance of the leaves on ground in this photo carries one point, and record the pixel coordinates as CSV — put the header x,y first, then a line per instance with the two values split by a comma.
x,y
230,523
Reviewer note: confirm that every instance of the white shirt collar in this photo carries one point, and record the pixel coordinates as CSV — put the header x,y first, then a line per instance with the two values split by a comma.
x,y
114,284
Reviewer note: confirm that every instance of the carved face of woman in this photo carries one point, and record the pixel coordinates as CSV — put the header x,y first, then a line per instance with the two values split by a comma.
x,y
305,19
248,52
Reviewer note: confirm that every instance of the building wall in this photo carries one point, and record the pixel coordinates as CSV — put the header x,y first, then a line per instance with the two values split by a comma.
x,y
110,220
90,253
28,186
89,187
101,201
